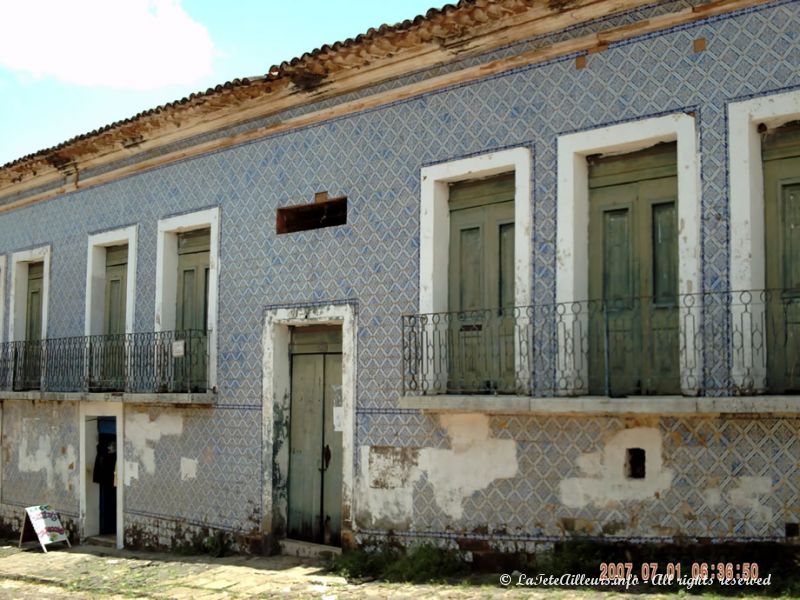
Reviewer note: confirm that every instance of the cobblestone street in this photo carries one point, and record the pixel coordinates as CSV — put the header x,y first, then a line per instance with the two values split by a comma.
x,y
94,572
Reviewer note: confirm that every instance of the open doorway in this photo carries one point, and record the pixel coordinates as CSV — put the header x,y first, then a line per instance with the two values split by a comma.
x,y
101,475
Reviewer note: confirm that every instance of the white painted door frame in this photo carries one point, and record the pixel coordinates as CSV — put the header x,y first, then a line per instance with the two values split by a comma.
x,y
101,409
276,389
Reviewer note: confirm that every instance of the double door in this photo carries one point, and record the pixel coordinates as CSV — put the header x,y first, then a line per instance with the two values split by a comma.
x,y
781,156
480,324
29,354
633,311
191,311
315,439
108,353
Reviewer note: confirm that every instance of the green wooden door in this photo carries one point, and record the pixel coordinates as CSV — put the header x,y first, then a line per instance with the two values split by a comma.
x,y
315,444
30,361
33,312
191,311
115,290
108,352
781,155
481,287
633,274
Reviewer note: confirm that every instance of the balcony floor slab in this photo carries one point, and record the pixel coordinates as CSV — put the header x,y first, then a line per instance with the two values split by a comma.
x,y
600,405
123,397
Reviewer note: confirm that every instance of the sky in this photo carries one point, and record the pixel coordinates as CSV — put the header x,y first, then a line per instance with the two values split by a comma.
x,y
68,67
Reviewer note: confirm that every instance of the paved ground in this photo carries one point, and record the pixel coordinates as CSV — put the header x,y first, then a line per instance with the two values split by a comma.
x,y
94,572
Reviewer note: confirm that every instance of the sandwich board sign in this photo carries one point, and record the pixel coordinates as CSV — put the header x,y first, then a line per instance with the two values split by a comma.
x,y
43,523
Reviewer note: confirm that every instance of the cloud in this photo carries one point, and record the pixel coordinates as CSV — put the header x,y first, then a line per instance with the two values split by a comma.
x,y
124,44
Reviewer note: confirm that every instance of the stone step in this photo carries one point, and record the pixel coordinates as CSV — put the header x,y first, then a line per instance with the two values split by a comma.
x,y
106,541
303,549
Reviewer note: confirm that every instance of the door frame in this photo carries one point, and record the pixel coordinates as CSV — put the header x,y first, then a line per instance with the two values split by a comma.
x,y
747,223
19,290
2,298
87,411
167,266
276,399
434,243
572,227
96,275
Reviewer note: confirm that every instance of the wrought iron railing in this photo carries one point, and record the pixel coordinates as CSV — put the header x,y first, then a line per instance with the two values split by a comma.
x,y
718,343
157,362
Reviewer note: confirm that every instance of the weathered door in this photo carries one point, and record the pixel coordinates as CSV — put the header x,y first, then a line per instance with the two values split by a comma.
x,y
781,156
315,442
480,345
108,352
30,355
192,308
633,273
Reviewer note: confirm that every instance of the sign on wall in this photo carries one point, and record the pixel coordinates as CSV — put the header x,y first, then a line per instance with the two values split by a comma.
x,y
43,523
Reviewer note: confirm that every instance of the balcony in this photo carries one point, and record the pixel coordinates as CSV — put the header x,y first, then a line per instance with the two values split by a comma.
x,y
164,362
719,344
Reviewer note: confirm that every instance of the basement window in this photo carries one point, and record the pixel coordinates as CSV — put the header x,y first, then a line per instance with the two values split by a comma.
x,y
634,463
323,212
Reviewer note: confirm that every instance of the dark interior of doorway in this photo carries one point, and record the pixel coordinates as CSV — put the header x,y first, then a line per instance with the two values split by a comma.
x,y
105,472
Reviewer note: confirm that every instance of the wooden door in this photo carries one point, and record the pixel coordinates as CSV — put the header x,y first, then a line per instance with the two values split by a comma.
x,y
115,301
108,351
315,455
29,358
192,309
781,155
633,274
480,332
33,313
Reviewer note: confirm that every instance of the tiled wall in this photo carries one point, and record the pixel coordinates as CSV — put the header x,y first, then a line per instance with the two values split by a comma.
x,y
375,158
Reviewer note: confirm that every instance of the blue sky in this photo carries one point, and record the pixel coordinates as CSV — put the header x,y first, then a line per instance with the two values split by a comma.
x,y
68,68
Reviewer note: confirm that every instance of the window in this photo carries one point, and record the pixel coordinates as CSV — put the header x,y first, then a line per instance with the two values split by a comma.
x,y
573,234
324,212
187,275
30,282
475,263
111,282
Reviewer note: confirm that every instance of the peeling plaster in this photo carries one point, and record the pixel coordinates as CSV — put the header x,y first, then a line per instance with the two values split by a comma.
x,y
41,458
142,432
606,482
386,492
746,495
188,468
131,471
473,461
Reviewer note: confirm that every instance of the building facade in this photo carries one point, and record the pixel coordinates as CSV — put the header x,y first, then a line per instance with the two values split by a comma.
x,y
550,289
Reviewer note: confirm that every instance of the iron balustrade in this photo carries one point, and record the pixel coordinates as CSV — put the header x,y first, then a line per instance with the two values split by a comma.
x,y
715,343
154,362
